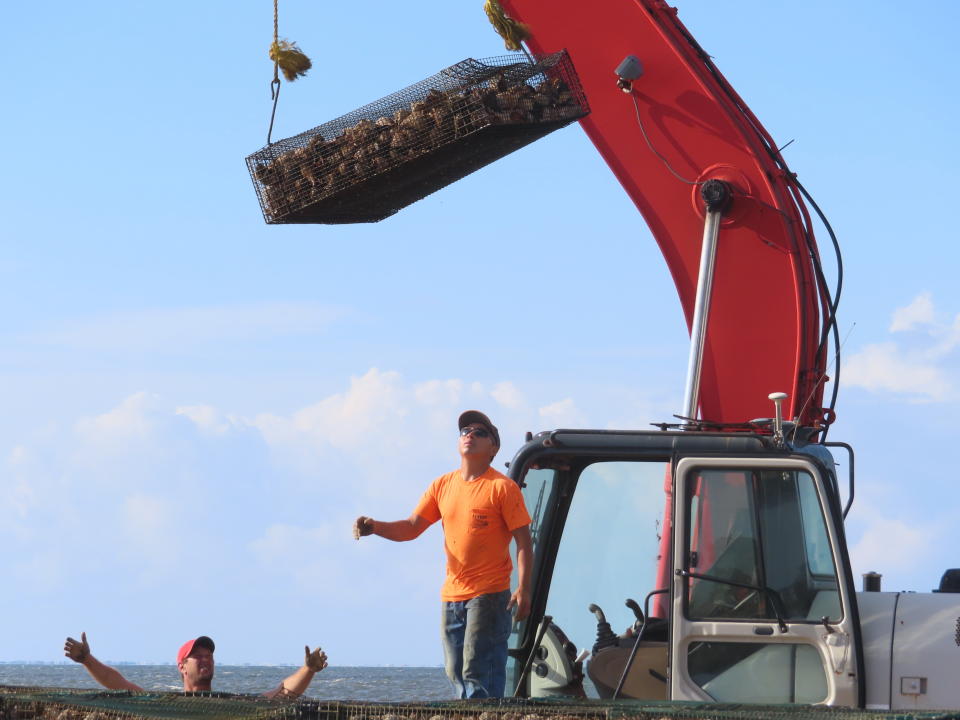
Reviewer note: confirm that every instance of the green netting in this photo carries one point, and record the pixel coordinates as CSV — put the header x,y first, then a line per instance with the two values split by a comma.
x,y
25,703
60,704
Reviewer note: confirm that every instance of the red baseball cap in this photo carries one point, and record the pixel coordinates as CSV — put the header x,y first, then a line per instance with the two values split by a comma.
x,y
187,647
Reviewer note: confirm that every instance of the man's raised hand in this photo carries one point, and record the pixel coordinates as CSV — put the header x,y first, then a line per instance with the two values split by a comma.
x,y
362,527
78,651
316,660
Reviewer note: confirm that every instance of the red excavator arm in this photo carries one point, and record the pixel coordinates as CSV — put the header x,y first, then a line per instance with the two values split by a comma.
x,y
681,125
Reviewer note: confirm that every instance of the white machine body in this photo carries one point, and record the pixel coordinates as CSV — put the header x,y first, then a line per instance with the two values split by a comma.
x,y
911,647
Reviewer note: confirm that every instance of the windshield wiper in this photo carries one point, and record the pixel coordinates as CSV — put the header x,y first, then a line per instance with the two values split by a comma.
x,y
772,596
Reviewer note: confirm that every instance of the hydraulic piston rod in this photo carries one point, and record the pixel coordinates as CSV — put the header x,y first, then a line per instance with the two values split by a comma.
x,y
716,196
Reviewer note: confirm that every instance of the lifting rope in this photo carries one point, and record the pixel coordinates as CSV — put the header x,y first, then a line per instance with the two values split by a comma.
x,y
512,32
293,62
287,58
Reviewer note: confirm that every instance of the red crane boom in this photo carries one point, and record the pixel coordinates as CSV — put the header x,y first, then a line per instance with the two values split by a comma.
x,y
681,125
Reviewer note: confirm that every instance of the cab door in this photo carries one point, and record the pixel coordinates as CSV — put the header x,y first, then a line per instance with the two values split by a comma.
x,y
760,614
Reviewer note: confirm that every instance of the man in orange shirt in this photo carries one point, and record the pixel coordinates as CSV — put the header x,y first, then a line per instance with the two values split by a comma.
x,y
481,510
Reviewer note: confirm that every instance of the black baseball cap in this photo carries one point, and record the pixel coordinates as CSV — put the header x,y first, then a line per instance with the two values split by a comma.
x,y
475,417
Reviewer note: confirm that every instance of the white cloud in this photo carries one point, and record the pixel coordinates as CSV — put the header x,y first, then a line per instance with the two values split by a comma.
x,y
130,420
563,413
145,519
372,447
112,481
351,419
949,340
508,395
140,440
920,365
885,367
209,419
891,545
151,489
381,426
439,392
918,312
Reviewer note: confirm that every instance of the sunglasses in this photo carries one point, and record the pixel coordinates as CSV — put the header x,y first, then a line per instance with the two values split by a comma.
x,y
478,432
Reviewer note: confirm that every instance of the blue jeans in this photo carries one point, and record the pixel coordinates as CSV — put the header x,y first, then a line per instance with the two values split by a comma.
x,y
474,634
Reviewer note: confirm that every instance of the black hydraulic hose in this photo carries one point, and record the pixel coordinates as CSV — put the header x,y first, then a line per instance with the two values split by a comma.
x,y
830,325
830,322
836,295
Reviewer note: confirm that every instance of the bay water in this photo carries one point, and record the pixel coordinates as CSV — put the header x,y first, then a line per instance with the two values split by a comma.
x,y
369,684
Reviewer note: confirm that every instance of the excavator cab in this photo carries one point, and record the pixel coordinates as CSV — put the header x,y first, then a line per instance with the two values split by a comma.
x,y
737,589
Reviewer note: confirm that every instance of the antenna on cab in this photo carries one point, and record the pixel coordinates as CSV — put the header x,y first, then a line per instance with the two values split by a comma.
x,y
778,398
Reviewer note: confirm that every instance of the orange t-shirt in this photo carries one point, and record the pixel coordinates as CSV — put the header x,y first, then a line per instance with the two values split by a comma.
x,y
479,518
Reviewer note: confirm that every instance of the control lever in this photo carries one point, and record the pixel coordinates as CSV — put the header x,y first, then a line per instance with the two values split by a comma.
x,y
605,635
637,613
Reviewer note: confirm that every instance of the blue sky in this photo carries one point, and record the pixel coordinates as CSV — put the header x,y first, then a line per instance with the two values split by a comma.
x,y
196,405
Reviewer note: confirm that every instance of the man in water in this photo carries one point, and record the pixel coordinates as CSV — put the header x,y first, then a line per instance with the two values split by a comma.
x,y
195,663
481,510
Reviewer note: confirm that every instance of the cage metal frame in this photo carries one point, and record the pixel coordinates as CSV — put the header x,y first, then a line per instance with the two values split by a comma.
x,y
45,703
368,164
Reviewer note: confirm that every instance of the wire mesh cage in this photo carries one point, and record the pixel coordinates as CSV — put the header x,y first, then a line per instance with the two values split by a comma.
x,y
376,160
35,703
